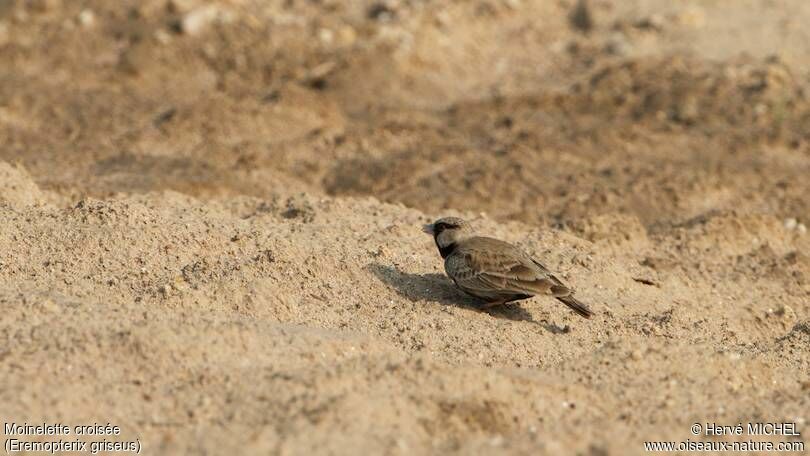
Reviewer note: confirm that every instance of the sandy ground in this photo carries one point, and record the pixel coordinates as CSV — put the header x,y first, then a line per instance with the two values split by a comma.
x,y
210,221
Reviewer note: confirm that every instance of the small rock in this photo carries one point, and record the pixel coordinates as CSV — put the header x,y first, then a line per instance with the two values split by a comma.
x,y
326,36
317,76
785,311
87,18
580,17
381,12
50,306
655,22
801,229
734,356
199,19
791,223
162,36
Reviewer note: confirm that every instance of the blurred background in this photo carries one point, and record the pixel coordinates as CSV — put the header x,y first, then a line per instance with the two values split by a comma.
x,y
538,111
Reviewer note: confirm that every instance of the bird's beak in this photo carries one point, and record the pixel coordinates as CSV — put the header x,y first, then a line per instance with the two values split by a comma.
x,y
428,229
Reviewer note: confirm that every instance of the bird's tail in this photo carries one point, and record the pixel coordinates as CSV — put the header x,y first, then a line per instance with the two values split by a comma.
x,y
577,306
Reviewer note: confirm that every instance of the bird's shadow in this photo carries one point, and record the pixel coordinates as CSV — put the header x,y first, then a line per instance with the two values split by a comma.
x,y
438,288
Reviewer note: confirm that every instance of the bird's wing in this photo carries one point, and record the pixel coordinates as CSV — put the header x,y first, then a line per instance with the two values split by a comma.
x,y
558,288
492,265
460,268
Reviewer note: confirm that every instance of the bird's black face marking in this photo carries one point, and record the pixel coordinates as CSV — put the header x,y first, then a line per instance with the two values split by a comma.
x,y
446,250
439,227
447,232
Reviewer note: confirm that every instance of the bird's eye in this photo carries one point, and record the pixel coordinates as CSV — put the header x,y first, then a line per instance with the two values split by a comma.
x,y
441,226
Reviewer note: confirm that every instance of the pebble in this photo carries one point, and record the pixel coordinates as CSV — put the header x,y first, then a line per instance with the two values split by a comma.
x,y
654,22
580,17
793,224
382,11
199,19
326,36
734,356
87,18
321,70
50,306
162,36
785,311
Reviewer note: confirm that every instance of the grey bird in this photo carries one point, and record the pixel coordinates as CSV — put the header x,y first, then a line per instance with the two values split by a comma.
x,y
493,270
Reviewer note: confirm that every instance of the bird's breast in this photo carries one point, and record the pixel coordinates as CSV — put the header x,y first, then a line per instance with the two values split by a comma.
x,y
447,250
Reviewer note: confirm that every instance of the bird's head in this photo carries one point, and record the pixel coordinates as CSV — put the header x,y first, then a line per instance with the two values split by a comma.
x,y
448,231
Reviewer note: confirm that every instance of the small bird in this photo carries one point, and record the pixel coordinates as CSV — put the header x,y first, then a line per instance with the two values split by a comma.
x,y
493,270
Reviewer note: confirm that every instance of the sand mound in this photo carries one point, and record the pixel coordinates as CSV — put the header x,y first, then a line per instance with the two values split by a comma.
x,y
288,319
17,188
